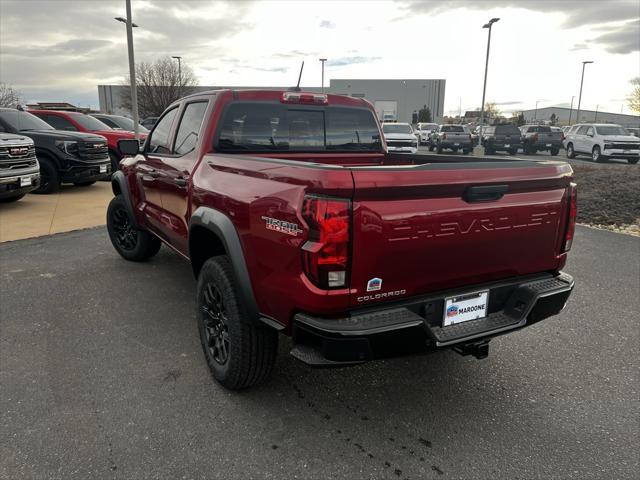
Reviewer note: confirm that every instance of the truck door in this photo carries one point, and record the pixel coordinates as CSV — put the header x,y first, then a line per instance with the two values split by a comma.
x,y
150,170
175,174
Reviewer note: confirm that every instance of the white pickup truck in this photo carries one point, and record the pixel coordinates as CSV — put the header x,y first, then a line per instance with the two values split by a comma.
x,y
400,137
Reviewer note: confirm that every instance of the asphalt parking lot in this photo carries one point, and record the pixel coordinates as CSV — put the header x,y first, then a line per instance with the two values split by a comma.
x,y
102,376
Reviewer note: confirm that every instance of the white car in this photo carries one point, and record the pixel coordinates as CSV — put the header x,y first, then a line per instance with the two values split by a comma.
x,y
423,131
601,142
400,137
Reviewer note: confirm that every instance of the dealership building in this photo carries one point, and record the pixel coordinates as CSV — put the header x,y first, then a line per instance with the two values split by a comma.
x,y
392,98
567,116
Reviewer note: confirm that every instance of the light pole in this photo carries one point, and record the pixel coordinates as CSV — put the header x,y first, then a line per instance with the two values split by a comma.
x,y
580,96
322,60
535,113
479,150
596,117
179,75
132,68
571,109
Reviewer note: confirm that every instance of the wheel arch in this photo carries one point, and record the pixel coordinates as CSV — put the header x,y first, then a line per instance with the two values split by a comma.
x,y
119,187
212,233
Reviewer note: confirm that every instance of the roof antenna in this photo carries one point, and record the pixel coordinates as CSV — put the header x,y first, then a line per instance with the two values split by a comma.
x,y
297,87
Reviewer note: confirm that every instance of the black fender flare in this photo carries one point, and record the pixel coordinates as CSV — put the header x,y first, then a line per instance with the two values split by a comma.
x,y
119,187
222,226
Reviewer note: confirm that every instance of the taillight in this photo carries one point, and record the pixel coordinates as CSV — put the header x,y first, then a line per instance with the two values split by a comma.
x,y
325,255
535,137
444,136
572,196
297,97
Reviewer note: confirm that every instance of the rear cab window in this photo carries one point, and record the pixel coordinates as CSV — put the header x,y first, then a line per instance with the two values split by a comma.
x,y
507,130
453,128
254,126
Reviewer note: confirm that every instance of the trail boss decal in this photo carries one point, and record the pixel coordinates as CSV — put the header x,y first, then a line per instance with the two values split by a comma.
x,y
374,284
282,226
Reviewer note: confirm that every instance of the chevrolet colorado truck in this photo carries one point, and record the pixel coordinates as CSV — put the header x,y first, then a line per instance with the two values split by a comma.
x,y
537,138
19,169
81,122
296,219
64,157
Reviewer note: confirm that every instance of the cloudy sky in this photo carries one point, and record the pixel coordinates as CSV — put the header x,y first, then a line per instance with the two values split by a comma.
x,y
60,50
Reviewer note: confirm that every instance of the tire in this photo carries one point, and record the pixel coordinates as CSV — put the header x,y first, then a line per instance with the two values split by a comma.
x,y
571,153
513,151
439,149
597,156
49,177
555,151
454,149
115,162
12,199
632,161
466,151
83,184
431,148
240,353
488,151
132,244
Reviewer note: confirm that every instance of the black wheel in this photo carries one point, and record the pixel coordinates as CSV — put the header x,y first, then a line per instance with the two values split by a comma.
x,y
240,353
49,178
596,155
83,184
513,151
131,243
439,149
466,151
571,153
115,162
555,151
454,149
488,151
430,148
12,199
632,161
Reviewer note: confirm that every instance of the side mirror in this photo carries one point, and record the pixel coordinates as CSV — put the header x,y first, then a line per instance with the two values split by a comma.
x,y
128,146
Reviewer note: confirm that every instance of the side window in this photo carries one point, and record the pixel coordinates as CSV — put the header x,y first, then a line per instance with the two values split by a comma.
x,y
590,131
189,129
158,141
59,123
109,122
582,130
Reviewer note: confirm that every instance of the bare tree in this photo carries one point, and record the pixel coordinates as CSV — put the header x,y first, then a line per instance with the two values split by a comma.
x,y
158,85
634,97
9,96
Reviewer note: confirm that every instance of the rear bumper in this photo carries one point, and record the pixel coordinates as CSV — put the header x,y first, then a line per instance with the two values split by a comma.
x,y
407,149
416,326
503,145
461,145
546,146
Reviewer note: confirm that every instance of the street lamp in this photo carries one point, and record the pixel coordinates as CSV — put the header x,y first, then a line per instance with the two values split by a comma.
x,y
581,82
132,68
535,113
322,60
179,75
571,109
480,148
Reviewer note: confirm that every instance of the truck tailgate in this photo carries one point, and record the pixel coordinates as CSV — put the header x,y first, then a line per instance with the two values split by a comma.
x,y
430,227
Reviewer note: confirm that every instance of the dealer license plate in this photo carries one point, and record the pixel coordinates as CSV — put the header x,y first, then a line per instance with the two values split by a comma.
x,y
463,308
456,144
548,144
103,169
25,181
507,145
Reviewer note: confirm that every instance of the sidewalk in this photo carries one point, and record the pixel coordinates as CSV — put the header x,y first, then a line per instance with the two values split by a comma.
x,y
72,208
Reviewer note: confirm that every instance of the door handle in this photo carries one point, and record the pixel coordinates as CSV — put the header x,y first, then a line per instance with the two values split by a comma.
x,y
485,193
181,181
149,172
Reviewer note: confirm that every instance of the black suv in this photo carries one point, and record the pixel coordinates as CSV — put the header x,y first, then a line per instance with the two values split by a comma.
x,y
505,138
19,171
64,157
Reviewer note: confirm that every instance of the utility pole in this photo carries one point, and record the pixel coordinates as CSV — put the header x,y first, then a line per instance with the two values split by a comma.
x,y
480,148
179,75
132,68
580,96
322,60
596,117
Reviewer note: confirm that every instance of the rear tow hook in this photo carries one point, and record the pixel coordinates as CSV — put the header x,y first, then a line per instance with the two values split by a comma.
x,y
479,350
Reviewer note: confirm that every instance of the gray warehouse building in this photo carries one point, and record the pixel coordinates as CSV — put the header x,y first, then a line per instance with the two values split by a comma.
x,y
399,98
562,115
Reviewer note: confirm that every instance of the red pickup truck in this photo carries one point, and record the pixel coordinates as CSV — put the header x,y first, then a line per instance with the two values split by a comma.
x,y
297,220
80,122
